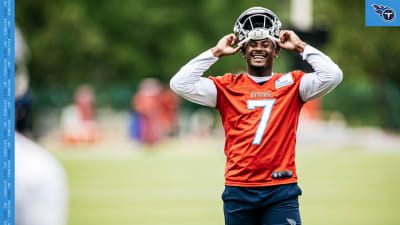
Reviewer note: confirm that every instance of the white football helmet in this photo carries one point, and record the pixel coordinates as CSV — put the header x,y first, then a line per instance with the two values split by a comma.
x,y
257,23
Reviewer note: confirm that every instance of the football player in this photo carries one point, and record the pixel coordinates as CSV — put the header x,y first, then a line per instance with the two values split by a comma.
x,y
259,111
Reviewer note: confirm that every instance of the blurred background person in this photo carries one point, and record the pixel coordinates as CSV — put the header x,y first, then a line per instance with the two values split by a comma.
x,y
170,104
41,192
78,122
155,112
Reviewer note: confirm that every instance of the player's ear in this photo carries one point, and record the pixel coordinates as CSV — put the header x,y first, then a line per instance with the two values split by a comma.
x,y
276,51
243,51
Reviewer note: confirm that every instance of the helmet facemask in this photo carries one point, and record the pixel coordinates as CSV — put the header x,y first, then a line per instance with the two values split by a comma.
x,y
257,24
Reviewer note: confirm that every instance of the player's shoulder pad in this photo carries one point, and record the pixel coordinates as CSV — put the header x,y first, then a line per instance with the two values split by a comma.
x,y
226,78
297,74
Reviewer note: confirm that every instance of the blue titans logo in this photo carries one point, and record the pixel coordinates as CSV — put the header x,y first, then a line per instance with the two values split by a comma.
x,y
385,13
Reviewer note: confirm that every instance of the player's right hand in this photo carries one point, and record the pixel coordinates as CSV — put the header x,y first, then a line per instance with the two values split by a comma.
x,y
225,46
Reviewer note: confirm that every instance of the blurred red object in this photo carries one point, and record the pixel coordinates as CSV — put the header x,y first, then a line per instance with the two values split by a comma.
x,y
156,108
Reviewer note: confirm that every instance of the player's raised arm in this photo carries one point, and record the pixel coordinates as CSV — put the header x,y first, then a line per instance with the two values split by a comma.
x,y
327,74
189,84
225,46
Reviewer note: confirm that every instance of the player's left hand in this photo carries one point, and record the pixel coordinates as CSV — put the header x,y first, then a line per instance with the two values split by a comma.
x,y
290,41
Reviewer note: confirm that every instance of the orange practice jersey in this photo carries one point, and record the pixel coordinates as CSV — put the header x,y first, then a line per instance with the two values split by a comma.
x,y
260,123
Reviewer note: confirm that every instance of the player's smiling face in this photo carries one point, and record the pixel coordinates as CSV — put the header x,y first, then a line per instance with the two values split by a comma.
x,y
260,54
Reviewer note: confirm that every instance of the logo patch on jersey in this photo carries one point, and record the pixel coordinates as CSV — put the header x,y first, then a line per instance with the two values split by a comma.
x,y
291,221
285,80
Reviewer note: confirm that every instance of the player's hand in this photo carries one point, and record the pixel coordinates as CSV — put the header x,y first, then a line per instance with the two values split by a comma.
x,y
290,41
225,46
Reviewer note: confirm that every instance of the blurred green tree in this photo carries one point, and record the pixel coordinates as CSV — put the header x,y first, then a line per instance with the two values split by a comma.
x,y
369,58
118,43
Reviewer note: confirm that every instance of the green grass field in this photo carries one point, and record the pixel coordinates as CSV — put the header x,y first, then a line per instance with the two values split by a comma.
x,y
184,186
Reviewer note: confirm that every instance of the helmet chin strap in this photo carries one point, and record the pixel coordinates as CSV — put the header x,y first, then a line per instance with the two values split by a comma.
x,y
259,34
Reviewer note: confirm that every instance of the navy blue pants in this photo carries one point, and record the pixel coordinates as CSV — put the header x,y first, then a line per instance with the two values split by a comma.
x,y
274,205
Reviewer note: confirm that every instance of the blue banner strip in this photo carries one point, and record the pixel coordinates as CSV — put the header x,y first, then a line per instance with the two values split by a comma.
x,y
7,112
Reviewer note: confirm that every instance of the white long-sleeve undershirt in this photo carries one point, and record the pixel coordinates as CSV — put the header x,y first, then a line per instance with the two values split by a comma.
x,y
189,84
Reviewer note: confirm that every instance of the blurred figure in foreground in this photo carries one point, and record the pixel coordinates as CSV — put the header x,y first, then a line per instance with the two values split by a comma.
x,y
23,94
155,110
41,194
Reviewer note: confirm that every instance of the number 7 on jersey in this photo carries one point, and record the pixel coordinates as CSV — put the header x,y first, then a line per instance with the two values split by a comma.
x,y
267,104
